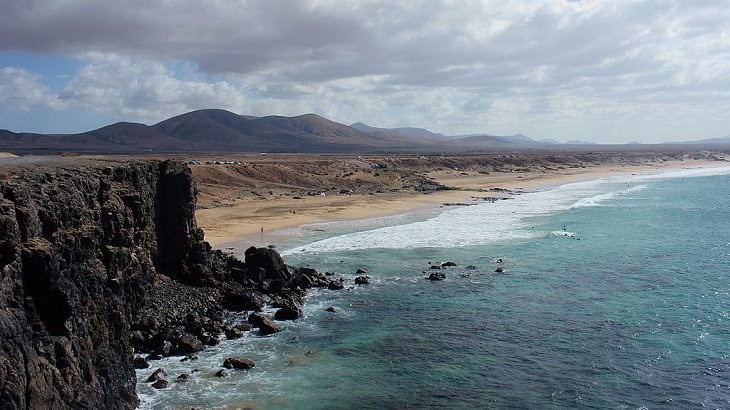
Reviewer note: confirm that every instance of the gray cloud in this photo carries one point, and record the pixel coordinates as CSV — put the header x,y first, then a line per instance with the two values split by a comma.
x,y
466,66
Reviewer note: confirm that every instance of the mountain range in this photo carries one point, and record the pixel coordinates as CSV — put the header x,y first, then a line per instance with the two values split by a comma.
x,y
213,130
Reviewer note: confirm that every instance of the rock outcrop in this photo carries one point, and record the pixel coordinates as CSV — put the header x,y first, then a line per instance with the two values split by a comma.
x,y
95,259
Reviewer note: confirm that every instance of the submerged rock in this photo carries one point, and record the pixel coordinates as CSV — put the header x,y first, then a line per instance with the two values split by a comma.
x,y
140,363
362,280
336,284
238,363
288,313
161,384
436,276
157,375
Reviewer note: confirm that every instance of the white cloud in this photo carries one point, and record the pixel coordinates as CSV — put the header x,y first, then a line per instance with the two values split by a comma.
x,y
144,90
23,90
619,69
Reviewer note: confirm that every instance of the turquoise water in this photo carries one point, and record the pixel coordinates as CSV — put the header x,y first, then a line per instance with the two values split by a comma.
x,y
630,312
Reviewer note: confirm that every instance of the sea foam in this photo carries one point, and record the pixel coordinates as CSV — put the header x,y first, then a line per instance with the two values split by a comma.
x,y
503,220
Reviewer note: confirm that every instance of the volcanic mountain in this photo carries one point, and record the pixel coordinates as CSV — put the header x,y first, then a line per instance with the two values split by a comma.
x,y
212,130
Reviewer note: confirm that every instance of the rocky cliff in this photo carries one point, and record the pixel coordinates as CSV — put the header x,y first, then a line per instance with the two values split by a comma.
x,y
85,248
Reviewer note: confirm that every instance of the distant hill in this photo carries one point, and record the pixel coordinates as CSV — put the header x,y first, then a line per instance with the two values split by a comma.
x,y
579,142
500,140
407,132
710,141
212,130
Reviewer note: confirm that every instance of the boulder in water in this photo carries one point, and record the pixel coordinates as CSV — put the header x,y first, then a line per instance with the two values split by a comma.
x,y
362,280
161,384
436,276
157,375
238,363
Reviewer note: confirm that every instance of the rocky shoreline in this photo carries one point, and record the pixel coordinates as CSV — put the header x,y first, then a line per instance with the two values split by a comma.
x,y
181,319
102,258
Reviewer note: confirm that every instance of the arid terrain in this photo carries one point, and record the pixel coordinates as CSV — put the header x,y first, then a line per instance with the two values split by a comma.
x,y
240,194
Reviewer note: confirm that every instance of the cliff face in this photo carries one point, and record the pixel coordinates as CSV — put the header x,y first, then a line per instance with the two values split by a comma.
x,y
81,244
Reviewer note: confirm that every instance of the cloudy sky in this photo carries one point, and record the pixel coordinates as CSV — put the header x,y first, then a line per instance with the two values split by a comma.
x,y
597,70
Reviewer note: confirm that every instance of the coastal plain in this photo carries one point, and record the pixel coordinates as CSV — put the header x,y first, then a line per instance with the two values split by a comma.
x,y
243,198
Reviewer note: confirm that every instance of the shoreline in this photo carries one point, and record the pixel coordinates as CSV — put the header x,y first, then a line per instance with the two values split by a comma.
x,y
238,226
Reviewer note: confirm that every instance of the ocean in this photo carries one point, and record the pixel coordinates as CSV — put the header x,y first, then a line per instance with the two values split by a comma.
x,y
614,293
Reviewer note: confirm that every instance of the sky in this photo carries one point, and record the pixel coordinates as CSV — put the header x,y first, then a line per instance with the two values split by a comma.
x,y
609,71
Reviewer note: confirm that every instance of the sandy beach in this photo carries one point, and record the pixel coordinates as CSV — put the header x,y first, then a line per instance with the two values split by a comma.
x,y
239,222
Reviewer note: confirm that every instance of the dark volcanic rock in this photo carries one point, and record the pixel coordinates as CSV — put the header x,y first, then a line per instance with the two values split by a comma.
x,y
238,363
288,313
264,323
99,258
267,327
361,271
437,276
161,384
336,285
157,375
189,344
265,264
140,363
362,280
449,263
233,333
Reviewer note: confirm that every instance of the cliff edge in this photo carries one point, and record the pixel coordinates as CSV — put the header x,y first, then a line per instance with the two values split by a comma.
x,y
85,246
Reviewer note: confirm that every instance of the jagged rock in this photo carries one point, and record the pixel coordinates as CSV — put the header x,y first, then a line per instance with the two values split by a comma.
x,y
233,333
449,263
154,356
189,358
437,276
267,327
157,375
164,348
499,269
288,313
335,285
140,363
102,259
161,384
220,373
361,271
238,363
257,318
210,340
266,264
189,344
183,377
362,280
245,299
331,309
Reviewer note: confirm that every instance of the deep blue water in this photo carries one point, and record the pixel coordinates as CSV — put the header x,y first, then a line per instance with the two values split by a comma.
x,y
631,312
